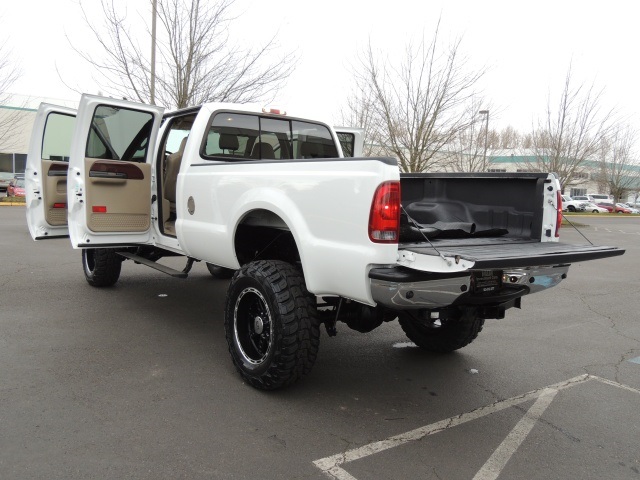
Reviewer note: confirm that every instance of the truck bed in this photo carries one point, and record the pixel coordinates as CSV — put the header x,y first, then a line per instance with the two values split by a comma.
x,y
504,252
494,220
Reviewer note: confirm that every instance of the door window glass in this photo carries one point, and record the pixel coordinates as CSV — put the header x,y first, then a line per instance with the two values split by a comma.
x,y
347,141
119,134
56,143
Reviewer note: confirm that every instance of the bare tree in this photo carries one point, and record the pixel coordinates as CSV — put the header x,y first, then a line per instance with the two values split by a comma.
x,y
619,170
467,150
359,112
510,138
198,61
416,106
571,132
9,74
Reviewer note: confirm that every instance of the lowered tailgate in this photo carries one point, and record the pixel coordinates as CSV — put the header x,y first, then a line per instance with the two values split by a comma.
x,y
493,273
505,254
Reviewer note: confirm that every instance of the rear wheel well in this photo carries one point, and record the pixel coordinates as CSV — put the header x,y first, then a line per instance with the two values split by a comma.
x,y
263,235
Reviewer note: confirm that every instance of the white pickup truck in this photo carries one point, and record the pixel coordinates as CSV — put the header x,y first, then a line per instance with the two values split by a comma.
x,y
573,205
310,232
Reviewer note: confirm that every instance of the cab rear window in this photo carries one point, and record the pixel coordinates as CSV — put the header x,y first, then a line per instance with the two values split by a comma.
x,y
240,137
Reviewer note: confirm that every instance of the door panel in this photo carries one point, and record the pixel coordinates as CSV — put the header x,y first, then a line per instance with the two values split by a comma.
x,y
110,172
118,196
54,175
46,171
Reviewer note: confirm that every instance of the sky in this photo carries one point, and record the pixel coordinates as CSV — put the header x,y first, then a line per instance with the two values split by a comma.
x,y
526,47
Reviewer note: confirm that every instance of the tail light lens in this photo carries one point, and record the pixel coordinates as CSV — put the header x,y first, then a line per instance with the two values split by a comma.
x,y
559,216
384,219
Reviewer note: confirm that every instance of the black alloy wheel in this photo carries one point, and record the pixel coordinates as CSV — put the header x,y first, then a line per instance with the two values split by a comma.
x,y
271,324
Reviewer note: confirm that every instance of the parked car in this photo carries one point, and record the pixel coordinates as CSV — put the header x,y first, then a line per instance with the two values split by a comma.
x,y
5,179
621,208
600,198
607,206
593,208
16,188
572,205
582,198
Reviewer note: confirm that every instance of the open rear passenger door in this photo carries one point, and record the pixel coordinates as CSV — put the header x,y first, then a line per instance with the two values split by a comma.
x,y
46,171
351,140
110,174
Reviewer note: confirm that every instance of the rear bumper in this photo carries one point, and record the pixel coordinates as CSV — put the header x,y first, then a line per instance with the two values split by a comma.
x,y
401,288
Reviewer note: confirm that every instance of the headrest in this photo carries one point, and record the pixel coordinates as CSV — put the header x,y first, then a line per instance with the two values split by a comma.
x,y
228,142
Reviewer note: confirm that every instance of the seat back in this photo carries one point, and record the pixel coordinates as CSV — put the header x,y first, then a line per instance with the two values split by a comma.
x,y
173,162
263,150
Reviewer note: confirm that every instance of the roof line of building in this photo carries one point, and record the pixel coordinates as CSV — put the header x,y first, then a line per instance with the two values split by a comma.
x,y
24,109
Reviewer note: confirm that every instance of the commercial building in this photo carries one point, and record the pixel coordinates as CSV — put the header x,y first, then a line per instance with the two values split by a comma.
x,y
16,123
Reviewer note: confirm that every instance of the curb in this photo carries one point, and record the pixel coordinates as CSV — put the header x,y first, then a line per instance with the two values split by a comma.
x,y
13,204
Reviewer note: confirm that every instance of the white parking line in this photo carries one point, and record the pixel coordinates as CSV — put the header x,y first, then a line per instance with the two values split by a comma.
x,y
497,461
332,466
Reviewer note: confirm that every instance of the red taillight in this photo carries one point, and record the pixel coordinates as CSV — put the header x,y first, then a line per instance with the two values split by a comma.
x,y
559,216
99,209
384,219
59,205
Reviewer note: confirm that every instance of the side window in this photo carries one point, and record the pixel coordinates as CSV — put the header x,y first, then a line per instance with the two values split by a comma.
x,y
347,142
232,135
311,140
58,131
119,134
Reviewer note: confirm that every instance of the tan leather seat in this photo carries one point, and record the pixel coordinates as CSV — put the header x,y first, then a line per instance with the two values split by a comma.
x,y
173,162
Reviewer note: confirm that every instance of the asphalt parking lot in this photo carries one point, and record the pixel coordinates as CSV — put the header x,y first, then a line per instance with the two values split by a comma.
x,y
135,381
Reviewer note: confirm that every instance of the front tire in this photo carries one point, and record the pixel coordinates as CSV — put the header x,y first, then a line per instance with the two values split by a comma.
x,y
271,325
441,336
101,266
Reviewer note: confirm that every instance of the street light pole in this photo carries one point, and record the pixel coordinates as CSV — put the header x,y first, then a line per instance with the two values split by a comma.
x,y
486,134
153,53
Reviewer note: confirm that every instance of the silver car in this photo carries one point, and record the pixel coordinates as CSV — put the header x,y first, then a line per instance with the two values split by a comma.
x,y
5,178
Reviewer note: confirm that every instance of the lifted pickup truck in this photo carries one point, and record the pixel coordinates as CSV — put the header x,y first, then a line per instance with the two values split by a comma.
x,y
308,235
